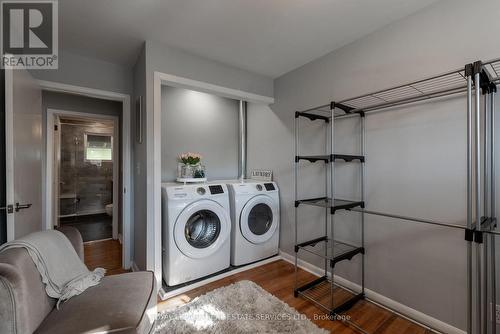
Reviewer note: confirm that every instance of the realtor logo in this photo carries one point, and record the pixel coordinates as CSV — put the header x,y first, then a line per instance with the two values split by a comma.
x,y
29,36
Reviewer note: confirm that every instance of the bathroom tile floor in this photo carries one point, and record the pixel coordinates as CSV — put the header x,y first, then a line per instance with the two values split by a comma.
x,y
92,227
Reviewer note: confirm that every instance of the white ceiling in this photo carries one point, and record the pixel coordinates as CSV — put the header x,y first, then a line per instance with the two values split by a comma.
x,y
269,37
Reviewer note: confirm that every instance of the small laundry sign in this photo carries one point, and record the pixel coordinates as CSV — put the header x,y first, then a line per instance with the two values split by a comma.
x,y
262,175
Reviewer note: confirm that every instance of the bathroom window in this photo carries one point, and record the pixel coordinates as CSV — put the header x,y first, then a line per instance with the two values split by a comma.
x,y
98,147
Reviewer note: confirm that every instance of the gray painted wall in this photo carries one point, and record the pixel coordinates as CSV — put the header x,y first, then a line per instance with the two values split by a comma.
x,y
199,122
173,61
415,157
87,72
70,102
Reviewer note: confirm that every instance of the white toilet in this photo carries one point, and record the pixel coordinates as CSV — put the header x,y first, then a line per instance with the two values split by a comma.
x,y
109,209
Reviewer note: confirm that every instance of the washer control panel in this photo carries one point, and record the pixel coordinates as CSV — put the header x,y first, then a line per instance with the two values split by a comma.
x,y
214,190
193,191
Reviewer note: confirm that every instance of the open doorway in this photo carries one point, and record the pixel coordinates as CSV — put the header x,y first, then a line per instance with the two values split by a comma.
x,y
83,161
81,102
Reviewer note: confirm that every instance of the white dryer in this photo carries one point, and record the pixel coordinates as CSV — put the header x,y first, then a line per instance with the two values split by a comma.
x,y
196,231
255,218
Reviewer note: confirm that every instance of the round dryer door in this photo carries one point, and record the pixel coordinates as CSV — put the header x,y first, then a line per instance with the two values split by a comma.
x,y
258,219
201,229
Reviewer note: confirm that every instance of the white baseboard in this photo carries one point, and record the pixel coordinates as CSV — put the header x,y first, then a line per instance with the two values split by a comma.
x,y
134,266
405,311
165,295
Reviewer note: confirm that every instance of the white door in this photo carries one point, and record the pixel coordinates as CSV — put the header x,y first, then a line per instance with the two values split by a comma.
x,y
258,219
23,146
201,229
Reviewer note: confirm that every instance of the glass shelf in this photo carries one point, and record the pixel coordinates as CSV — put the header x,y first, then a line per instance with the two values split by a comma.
x,y
337,204
335,251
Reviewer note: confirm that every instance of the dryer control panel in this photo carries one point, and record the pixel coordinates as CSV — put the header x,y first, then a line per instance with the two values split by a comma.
x,y
269,186
254,187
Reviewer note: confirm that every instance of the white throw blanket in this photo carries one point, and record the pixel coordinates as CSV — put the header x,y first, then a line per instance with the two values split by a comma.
x,y
62,271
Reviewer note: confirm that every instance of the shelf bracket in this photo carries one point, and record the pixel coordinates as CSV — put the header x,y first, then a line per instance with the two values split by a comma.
x,y
346,108
478,237
346,256
311,117
347,304
469,234
310,243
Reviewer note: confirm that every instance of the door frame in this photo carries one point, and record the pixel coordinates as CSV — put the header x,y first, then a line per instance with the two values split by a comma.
x,y
51,170
9,154
3,189
126,144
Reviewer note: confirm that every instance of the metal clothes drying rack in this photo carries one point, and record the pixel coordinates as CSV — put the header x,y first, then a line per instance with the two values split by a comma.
x,y
479,225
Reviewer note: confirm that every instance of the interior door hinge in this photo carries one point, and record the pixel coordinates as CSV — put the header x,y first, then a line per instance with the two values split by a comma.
x,y
56,127
9,208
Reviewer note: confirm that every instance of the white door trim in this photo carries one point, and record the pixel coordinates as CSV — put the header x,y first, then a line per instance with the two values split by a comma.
x,y
153,169
126,153
9,153
51,194
176,81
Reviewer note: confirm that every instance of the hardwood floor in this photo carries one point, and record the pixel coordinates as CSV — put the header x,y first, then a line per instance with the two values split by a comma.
x,y
106,254
278,279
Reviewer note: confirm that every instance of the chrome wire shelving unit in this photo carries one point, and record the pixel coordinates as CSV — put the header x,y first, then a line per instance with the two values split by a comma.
x,y
477,81
324,292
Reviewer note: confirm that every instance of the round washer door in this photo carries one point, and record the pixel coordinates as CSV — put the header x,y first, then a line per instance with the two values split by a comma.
x,y
201,229
258,219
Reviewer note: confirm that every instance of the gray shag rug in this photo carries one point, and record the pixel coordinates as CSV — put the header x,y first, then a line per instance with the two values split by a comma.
x,y
242,307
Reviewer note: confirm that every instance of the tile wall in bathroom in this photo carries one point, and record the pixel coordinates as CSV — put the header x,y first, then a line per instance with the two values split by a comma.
x,y
88,182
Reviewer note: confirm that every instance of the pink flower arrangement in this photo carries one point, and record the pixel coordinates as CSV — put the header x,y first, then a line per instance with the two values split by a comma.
x,y
190,158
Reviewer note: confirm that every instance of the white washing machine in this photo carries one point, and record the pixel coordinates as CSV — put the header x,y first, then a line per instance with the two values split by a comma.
x,y
255,218
196,231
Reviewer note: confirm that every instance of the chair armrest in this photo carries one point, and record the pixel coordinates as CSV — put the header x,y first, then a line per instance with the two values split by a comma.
x,y
74,237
